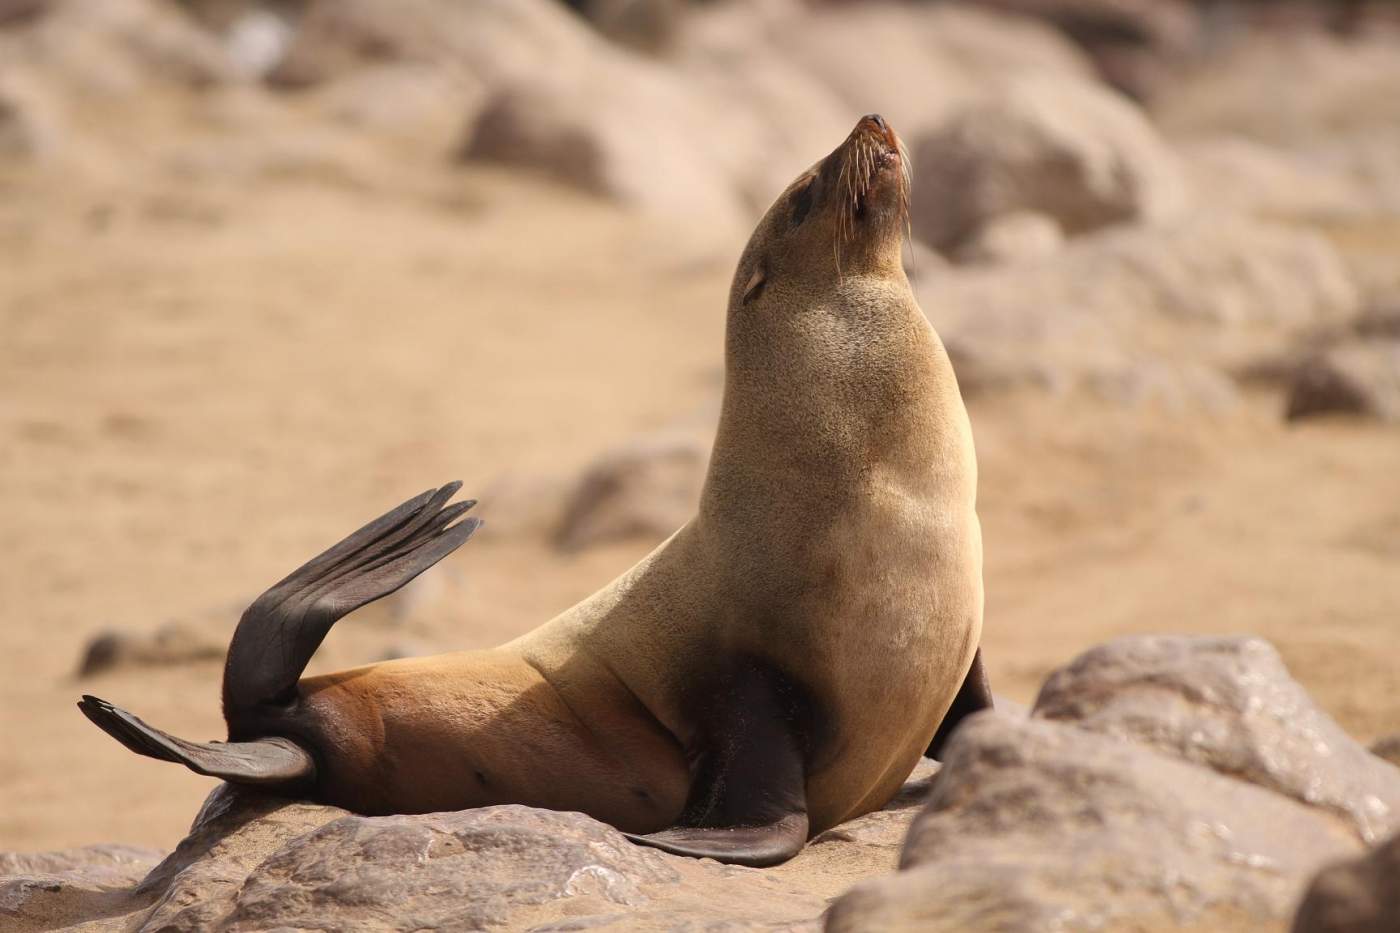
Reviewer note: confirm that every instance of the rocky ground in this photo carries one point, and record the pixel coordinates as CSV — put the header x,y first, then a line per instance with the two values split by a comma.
x,y
268,268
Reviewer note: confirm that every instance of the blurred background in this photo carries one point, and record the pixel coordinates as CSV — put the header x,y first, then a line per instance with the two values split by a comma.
x,y
268,268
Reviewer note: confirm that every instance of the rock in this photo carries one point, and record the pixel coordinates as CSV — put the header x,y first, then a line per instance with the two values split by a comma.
x,y
30,120
1141,313
1359,377
648,487
950,54
488,40
1037,825
49,890
1344,120
872,56
253,861
1013,237
1058,146
1227,704
1133,43
1242,176
1359,896
627,130
168,645
1387,749
119,48
649,26
420,105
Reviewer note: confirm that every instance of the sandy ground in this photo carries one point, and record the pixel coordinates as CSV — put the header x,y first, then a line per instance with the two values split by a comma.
x,y
200,388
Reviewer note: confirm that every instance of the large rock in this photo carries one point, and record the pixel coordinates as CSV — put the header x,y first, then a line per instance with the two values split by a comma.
x,y
1242,176
52,890
1139,313
258,862
1161,782
1359,896
1343,120
1136,44
1039,825
648,487
121,46
169,645
489,40
1228,704
917,65
1360,377
1058,146
30,119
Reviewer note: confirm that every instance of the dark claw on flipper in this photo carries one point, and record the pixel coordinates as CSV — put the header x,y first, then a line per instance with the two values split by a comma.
x,y
754,846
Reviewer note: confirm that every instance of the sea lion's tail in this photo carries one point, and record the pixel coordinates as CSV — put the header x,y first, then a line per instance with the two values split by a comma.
x,y
282,629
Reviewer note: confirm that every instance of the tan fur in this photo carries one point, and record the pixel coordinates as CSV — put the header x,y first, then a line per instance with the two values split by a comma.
x,y
836,538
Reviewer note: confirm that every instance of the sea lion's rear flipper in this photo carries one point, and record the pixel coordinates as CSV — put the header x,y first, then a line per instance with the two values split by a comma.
x,y
276,761
283,627
748,800
974,695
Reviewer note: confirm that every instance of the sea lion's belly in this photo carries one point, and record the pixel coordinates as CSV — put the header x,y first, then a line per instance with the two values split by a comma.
x,y
476,729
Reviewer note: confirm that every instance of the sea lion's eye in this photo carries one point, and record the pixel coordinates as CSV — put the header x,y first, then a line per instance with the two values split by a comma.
x,y
755,284
802,201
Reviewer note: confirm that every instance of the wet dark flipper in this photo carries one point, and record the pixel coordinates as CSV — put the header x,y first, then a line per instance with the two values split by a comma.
x,y
282,629
277,761
748,800
974,695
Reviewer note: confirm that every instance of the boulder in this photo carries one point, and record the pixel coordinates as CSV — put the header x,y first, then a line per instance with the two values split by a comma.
x,y
874,55
1242,176
1357,896
488,40
1227,704
1037,825
31,124
1139,313
1055,145
648,487
1160,782
1135,44
169,645
628,130
1360,377
1013,237
52,890
1344,120
253,861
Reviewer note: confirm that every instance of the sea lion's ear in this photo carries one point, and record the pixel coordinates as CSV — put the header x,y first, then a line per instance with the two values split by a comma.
x,y
755,283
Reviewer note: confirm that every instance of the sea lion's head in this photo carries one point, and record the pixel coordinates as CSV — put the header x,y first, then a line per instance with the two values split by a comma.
x,y
844,217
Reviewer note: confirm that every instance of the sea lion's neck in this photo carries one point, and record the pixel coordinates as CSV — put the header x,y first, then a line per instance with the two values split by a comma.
x,y
822,396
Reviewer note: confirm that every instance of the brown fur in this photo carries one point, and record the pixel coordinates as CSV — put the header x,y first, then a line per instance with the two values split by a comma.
x,y
836,542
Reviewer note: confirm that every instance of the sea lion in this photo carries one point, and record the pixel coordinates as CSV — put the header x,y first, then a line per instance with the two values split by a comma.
x,y
775,667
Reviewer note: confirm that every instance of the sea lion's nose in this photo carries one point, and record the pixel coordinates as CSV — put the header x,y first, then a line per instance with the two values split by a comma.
x,y
877,124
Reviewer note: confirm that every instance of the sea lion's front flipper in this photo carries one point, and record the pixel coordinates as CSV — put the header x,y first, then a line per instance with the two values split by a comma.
x,y
974,695
276,761
748,799
755,846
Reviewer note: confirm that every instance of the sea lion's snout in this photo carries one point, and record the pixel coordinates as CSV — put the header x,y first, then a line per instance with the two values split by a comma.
x,y
874,123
